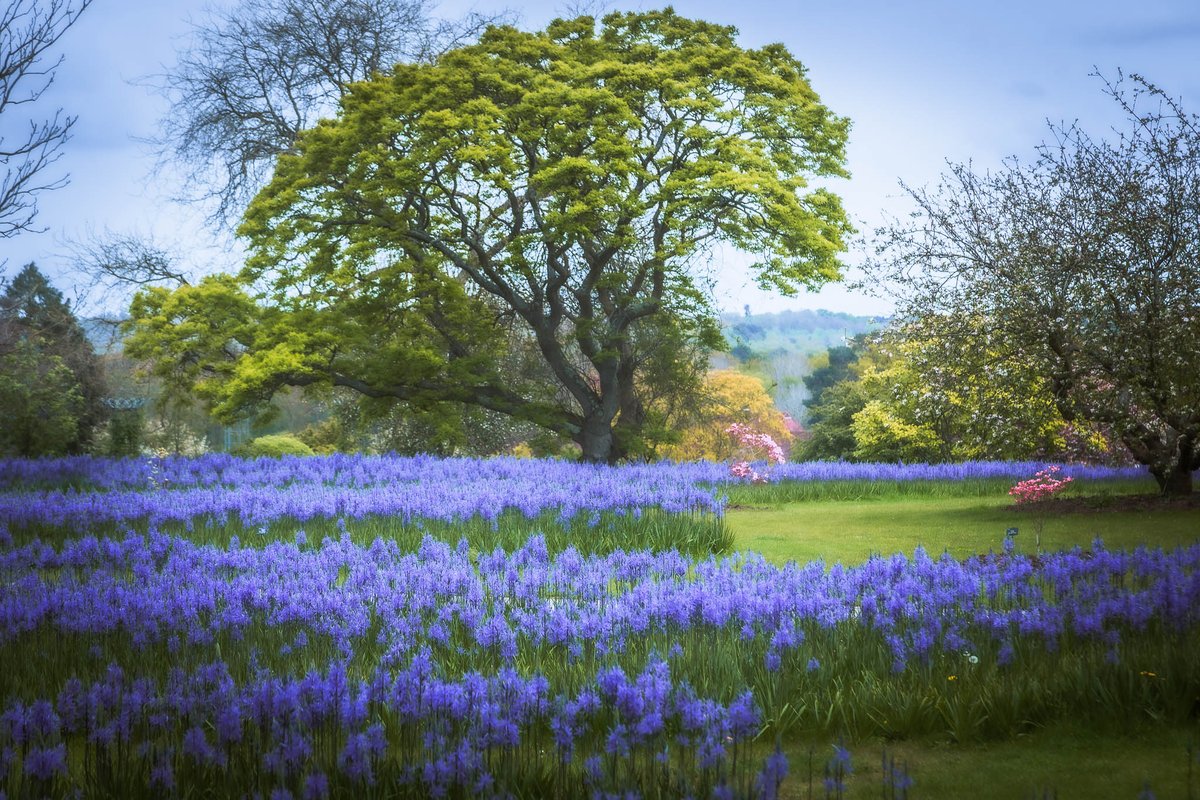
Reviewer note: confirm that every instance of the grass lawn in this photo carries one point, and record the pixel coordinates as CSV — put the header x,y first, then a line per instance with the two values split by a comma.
x,y
850,531
1061,762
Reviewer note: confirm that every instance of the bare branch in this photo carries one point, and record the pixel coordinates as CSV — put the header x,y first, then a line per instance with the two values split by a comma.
x,y
120,261
28,30
258,74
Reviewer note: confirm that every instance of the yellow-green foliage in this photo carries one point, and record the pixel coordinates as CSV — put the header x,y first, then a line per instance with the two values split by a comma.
x,y
880,434
728,396
274,446
914,395
522,450
932,396
928,401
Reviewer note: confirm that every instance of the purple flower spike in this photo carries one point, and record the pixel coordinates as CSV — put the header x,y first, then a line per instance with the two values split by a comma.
x,y
316,787
43,764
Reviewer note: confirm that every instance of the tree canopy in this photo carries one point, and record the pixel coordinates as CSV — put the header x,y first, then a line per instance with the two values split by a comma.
x,y
1084,265
929,399
907,394
549,190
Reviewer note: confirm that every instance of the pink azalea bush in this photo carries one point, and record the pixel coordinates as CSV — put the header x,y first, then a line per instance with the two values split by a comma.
x,y
1045,483
751,442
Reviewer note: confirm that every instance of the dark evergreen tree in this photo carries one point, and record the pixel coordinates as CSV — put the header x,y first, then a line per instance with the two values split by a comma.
x,y
824,377
52,376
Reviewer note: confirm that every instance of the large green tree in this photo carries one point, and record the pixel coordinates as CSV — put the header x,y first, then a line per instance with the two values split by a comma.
x,y
1084,265
52,388
557,188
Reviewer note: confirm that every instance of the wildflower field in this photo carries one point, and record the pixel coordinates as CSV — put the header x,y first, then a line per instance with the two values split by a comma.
x,y
353,626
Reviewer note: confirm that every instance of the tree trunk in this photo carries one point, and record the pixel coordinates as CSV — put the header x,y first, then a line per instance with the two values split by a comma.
x,y
1171,459
630,421
1174,473
595,439
1176,483
1175,480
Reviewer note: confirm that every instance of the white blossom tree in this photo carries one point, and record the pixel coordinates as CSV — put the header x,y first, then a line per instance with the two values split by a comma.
x,y
1084,263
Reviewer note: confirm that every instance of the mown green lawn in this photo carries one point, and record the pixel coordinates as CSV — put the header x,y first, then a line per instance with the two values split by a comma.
x,y
850,531
1062,762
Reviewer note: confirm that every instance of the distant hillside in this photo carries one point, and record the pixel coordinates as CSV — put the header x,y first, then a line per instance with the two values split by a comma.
x,y
777,348
804,332
754,335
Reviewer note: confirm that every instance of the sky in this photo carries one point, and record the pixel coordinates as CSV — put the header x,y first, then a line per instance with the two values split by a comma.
x,y
922,82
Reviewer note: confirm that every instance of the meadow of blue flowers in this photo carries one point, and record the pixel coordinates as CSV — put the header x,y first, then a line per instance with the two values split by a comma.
x,y
154,643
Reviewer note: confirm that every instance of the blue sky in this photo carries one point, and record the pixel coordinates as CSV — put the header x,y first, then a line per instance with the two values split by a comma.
x,y
922,82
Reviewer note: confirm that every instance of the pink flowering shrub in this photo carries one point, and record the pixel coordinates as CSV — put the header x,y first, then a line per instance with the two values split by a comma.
x,y
754,444
741,469
1040,486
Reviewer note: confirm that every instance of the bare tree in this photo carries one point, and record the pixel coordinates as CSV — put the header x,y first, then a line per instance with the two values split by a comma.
x,y
28,30
257,74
